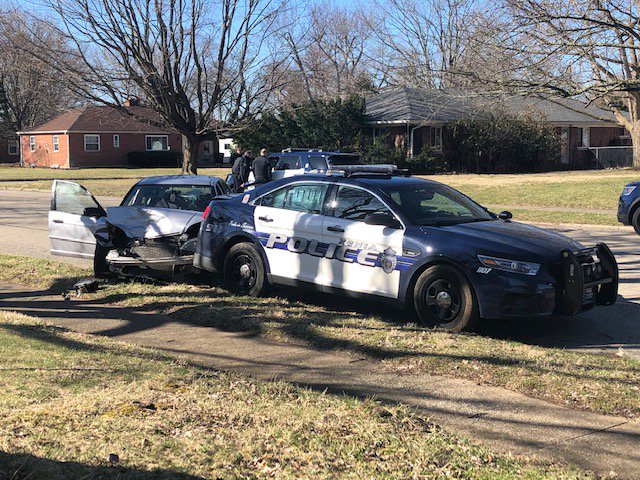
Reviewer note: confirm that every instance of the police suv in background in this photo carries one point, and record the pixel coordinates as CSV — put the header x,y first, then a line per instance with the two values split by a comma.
x,y
299,161
629,206
367,231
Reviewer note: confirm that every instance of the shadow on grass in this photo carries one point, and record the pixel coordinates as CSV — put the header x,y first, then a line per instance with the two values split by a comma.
x,y
318,320
21,466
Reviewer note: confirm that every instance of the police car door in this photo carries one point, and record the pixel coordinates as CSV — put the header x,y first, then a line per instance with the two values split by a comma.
x,y
289,225
360,257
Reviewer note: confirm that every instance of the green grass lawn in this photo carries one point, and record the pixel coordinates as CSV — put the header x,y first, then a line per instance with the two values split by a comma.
x,y
114,182
597,189
600,383
80,406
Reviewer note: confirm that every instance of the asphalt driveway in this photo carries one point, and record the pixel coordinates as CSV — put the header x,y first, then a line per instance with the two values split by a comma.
x,y
23,231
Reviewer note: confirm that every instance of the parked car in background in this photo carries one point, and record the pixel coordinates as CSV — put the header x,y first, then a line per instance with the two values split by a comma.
x,y
291,162
629,206
153,232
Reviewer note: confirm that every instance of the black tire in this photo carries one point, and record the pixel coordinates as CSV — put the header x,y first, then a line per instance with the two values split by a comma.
x,y
442,298
635,220
244,272
100,265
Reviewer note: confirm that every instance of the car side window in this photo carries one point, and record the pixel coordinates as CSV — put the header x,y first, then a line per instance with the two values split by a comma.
x,y
72,198
289,162
356,204
306,198
317,163
274,199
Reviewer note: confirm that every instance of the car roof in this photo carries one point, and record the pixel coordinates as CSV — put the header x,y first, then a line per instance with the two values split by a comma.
x,y
308,153
367,181
179,180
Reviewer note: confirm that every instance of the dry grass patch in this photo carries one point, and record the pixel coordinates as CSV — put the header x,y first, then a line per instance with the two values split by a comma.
x,y
78,406
604,384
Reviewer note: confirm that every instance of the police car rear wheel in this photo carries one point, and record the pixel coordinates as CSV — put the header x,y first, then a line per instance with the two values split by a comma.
x,y
443,298
244,272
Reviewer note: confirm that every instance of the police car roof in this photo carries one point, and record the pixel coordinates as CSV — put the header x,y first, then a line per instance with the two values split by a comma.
x,y
379,181
179,180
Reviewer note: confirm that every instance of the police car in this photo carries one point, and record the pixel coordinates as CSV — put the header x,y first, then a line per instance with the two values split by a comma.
x,y
369,231
629,206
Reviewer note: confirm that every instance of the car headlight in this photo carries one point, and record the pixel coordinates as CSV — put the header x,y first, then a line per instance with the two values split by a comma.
x,y
515,266
628,190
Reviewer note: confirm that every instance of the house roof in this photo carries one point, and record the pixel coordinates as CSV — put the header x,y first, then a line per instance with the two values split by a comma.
x,y
415,106
102,119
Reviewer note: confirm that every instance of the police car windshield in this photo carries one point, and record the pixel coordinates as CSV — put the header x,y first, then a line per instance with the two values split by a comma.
x,y
435,205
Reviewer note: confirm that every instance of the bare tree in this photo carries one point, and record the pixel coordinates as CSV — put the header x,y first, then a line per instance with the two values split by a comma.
x,y
202,65
427,43
588,49
30,92
331,53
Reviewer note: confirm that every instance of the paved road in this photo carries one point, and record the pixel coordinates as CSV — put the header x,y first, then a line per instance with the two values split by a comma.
x,y
23,231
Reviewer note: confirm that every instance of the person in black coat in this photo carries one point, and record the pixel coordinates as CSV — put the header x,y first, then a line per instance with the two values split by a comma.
x,y
240,170
262,168
234,156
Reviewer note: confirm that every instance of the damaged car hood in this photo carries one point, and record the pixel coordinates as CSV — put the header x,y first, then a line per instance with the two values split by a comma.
x,y
140,222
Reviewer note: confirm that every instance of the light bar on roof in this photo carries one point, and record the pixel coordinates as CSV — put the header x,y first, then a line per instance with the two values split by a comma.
x,y
351,169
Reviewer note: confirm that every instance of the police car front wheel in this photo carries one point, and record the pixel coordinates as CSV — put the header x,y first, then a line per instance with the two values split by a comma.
x,y
244,272
442,298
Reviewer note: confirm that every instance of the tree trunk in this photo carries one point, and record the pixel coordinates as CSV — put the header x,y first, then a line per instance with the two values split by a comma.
x,y
635,140
190,147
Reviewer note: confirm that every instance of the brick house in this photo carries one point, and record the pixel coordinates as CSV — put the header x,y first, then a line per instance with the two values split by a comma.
x,y
9,150
99,136
418,119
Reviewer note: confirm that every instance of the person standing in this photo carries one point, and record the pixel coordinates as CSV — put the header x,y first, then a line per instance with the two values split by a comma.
x,y
240,170
262,168
234,156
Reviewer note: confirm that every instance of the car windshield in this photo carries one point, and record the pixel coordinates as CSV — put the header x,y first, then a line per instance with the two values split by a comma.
x,y
176,197
435,205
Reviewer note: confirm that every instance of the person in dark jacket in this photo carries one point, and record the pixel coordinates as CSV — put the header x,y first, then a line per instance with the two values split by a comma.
x,y
234,156
262,168
240,170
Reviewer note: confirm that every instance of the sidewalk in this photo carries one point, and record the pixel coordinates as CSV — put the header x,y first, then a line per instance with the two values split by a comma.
x,y
502,419
499,208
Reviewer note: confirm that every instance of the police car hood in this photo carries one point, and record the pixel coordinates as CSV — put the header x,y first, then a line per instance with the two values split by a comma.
x,y
140,222
512,238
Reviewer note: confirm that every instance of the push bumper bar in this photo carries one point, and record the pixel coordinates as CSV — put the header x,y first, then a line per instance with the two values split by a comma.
x,y
590,278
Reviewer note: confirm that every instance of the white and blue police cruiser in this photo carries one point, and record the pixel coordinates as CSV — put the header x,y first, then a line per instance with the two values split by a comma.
x,y
374,231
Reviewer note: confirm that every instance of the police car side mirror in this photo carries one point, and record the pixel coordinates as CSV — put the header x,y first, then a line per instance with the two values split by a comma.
x,y
383,219
505,215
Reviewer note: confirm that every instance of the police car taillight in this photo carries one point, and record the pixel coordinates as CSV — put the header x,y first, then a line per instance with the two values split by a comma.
x,y
206,212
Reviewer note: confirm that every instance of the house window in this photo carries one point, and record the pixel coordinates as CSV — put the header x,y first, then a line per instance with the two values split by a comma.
x,y
92,143
56,143
157,142
436,138
116,141
32,144
585,137
13,148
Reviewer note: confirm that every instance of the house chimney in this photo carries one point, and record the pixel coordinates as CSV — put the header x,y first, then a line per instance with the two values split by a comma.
x,y
132,102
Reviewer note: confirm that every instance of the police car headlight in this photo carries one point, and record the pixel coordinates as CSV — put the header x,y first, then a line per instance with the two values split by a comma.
x,y
628,190
515,266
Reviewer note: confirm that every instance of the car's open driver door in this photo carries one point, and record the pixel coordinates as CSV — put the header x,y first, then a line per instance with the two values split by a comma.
x,y
73,219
